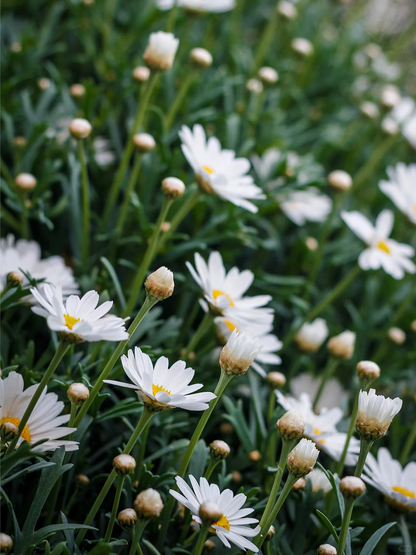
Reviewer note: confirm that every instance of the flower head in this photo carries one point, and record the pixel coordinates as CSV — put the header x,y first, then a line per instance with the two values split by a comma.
x,y
302,458
367,370
307,205
161,387
160,284
381,251
375,413
161,50
311,335
239,353
217,170
401,188
352,487
148,504
233,526
342,345
78,319
25,182
319,481
291,425
43,423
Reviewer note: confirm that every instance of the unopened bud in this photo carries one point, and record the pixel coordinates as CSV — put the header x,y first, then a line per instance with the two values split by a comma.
x,y
25,181
271,532
369,110
226,428
78,393
219,449
327,549
77,90
254,86
124,464
6,543
291,425
209,545
413,325
268,75
342,345
311,244
367,370
80,128
173,188
209,513
302,458
390,126
299,485
236,476
127,518
396,335
43,83
144,142
340,180
19,142
254,456
160,284
8,431
165,227
286,9
201,58
16,47
302,46
352,487
141,74
82,480
148,504
14,279
276,380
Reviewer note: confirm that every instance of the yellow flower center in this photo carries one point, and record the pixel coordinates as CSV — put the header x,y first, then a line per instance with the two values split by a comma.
x,y
317,431
217,293
230,325
404,491
207,169
223,522
70,321
157,388
16,421
383,247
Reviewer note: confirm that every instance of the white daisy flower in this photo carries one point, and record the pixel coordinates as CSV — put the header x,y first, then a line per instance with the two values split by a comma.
x,y
26,256
319,481
302,458
333,394
209,6
401,188
239,353
265,164
44,422
381,251
224,291
79,319
217,170
161,50
321,428
233,526
161,387
307,205
404,113
398,484
311,335
375,413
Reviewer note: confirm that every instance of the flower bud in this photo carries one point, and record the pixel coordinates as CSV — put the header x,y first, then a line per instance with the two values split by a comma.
x,y
367,371
16,47
144,142
160,284
340,180
209,513
14,279
375,414
311,335
352,487
201,58
141,74
239,353
236,476
165,227
276,380
327,549
127,518
413,325
124,464
271,532
311,244
19,142
6,543
389,126
302,458
226,428
254,456
390,96
77,90
82,480
291,425
173,188
160,51
148,504
254,86
43,83
302,46
219,449
209,545
299,485
80,128
25,182
78,393
268,75
286,9
342,345
396,335
8,431
369,110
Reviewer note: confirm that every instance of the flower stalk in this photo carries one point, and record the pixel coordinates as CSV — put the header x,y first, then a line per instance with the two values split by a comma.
x,y
114,510
85,191
365,446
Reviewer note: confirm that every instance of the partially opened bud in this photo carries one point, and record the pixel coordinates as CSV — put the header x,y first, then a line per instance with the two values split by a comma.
x,y
352,487
127,518
276,380
299,485
77,90
302,458
6,543
219,449
375,414
291,425
14,279
124,464
367,370
239,353
201,58
286,9
302,46
78,393
254,86
369,110
327,549
311,335
160,51
254,456
160,284
209,545
80,128
173,188
141,74
396,335
268,75
271,532
144,142
25,182
148,504
342,345
340,180
209,513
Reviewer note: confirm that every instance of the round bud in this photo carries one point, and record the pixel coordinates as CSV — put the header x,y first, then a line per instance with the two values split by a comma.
x,y
124,464
144,142
127,518
201,58
226,428
160,284
299,485
236,476
141,74
311,243
254,86
390,96
209,513
390,126
77,90
271,532
165,227
16,47
413,325
19,142
369,110
327,549
25,181
340,180
219,449
254,456
209,545
78,393
148,504
43,83
268,75
14,279
342,345
291,425
80,128
396,335
172,187
276,380
302,46
368,370
286,9
82,480
6,543
352,487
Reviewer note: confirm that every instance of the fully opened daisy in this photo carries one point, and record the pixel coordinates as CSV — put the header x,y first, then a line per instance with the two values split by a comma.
x,y
217,170
212,6
161,387
307,205
401,188
26,256
233,526
381,251
44,422
396,483
79,319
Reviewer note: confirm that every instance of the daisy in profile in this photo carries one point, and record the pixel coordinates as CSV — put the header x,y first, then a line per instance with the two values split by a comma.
x,y
161,387
78,319
233,526
401,188
381,251
217,170
204,6
44,422
333,394
319,481
396,483
307,205
25,256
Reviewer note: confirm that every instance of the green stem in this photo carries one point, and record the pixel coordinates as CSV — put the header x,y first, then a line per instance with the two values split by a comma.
x,y
85,189
60,352
130,188
349,504
142,449
138,531
11,220
371,164
172,18
266,39
411,437
147,305
148,257
203,327
23,217
407,540
180,97
365,447
145,418
326,375
116,503
350,431
211,466
202,536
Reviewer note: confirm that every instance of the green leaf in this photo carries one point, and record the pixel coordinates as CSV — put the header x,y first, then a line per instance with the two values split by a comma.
x,y
28,470
236,417
25,451
328,524
174,446
375,538
335,486
198,459
151,547
43,533
116,281
17,532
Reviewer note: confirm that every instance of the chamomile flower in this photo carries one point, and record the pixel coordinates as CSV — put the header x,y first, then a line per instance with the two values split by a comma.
x,y
375,414
44,422
319,481
26,256
233,526
217,170
78,319
239,352
311,335
333,394
381,251
161,387
209,6
307,205
396,483
401,188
